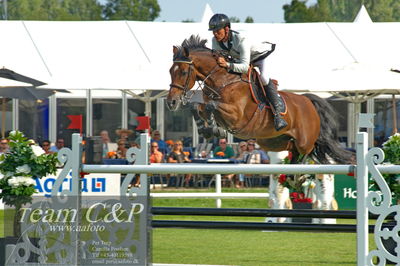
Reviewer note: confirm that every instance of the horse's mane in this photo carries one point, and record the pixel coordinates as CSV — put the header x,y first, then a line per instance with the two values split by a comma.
x,y
193,43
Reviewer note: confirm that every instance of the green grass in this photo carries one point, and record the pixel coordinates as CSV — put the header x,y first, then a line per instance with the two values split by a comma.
x,y
252,248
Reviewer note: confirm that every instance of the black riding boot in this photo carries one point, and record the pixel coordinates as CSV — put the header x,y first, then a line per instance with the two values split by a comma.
x,y
278,105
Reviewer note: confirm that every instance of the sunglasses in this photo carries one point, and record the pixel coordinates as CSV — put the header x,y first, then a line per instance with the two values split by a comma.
x,y
222,143
154,146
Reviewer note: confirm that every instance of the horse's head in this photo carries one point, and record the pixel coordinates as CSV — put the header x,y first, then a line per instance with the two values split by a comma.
x,y
183,78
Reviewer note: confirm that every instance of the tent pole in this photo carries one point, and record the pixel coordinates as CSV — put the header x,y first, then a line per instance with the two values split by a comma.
x,y
3,116
394,110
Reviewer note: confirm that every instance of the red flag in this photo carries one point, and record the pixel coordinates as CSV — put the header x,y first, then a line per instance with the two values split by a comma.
x,y
76,122
144,122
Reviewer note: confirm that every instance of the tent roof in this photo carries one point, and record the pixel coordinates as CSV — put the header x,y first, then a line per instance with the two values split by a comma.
x,y
137,55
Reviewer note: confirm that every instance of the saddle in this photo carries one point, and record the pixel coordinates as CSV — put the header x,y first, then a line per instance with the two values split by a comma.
x,y
257,90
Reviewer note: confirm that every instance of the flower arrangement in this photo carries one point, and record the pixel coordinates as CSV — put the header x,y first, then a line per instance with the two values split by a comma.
x,y
112,155
300,186
19,167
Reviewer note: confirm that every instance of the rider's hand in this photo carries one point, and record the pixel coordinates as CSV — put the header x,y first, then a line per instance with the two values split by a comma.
x,y
222,62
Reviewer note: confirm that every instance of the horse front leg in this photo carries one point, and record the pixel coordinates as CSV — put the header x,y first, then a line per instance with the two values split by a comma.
x,y
205,121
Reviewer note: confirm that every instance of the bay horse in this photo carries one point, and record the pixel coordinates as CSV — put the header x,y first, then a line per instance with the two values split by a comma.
x,y
312,126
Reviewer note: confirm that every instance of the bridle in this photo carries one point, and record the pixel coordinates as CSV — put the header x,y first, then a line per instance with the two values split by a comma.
x,y
185,89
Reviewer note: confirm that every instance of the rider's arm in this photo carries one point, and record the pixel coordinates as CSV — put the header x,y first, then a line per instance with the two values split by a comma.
x,y
243,63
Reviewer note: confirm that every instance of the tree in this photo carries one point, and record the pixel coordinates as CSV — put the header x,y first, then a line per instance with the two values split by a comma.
x,y
53,10
249,20
341,10
188,20
143,10
234,19
81,9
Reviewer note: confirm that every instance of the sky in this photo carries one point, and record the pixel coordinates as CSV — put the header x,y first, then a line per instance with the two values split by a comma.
x,y
267,11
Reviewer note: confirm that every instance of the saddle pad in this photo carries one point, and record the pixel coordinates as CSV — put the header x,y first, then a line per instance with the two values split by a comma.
x,y
257,92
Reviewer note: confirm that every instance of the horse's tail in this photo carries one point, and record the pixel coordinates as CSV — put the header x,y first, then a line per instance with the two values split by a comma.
x,y
327,146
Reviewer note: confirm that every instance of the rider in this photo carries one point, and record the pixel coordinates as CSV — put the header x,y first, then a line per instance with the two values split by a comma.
x,y
244,54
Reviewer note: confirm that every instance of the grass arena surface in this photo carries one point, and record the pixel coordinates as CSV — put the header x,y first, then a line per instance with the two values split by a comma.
x,y
250,248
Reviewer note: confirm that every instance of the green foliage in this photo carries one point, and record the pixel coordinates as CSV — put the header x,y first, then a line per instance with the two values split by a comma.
x,y
341,10
188,20
142,10
20,166
68,10
391,149
234,19
249,20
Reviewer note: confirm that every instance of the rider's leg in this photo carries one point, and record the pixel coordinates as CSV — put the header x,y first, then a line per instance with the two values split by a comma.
x,y
273,96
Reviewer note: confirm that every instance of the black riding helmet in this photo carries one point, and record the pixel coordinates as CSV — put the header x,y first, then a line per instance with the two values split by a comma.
x,y
218,21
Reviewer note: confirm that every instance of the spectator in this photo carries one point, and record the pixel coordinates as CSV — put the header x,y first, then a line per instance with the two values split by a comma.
x,y
264,156
59,145
155,155
107,144
239,182
178,156
46,146
125,134
120,153
223,150
162,146
4,146
253,155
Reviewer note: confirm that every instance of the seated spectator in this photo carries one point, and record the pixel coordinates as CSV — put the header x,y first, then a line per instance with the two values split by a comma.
x,y
125,134
107,144
223,150
120,153
4,146
59,145
162,146
177,155
253,156
155,155
46,146
264,156
239,182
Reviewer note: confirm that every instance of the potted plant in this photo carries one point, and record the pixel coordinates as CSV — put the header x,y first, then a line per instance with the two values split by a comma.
x,y
300,187
19,167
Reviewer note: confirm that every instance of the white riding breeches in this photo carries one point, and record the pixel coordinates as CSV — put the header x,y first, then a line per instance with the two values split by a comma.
x,y
262,66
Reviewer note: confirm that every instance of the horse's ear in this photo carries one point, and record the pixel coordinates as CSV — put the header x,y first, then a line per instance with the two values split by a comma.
x,y
175,49
186,51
